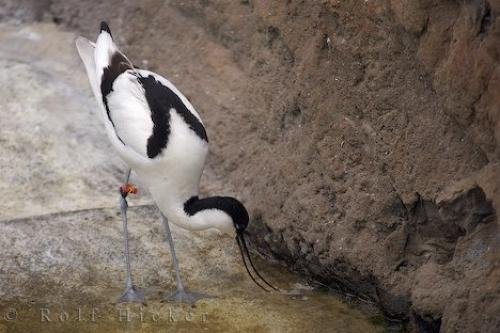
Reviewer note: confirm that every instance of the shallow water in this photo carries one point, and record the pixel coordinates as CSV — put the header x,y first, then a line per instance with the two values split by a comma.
x,y
319,313
304,311
60,232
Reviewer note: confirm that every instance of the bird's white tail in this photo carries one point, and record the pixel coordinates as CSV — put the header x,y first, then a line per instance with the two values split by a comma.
x,y
102,57
105,48
97,56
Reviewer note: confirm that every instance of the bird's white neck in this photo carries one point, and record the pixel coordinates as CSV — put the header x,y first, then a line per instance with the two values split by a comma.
x,y
172,201
201,220
177,198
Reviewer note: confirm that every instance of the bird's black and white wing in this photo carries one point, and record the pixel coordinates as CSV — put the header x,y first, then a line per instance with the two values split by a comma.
x,y
141,109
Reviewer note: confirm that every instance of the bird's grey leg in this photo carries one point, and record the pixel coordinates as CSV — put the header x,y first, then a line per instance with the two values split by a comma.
x,y
175,262
131,294
180,295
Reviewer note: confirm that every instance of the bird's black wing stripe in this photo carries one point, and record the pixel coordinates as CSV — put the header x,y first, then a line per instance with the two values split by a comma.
x,y
161,100
230,206
118,65
160,115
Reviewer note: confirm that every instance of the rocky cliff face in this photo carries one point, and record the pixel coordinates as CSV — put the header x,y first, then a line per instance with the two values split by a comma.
x,y
363,135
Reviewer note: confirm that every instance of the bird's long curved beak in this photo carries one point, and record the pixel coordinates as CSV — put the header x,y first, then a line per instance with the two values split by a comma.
x,y
245,254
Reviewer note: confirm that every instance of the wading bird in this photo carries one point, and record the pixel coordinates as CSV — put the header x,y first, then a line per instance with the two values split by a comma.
x,y
158,133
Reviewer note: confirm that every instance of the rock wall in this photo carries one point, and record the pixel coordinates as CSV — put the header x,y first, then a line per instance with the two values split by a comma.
x,y
363,135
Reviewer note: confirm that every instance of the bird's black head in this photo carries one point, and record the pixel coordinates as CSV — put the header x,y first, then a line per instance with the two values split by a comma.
x,y
238,213
239,216
231,206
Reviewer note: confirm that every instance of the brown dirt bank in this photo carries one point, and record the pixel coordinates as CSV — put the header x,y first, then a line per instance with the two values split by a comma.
x,y
363,135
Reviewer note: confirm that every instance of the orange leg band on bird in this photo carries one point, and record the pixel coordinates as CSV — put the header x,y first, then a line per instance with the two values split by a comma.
x,y
128,188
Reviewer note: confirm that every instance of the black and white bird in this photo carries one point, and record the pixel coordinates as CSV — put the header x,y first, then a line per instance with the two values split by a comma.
x,y
161,137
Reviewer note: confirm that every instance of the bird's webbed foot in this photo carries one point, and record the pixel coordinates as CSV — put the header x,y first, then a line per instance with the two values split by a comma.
x,y
183,296
132,295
